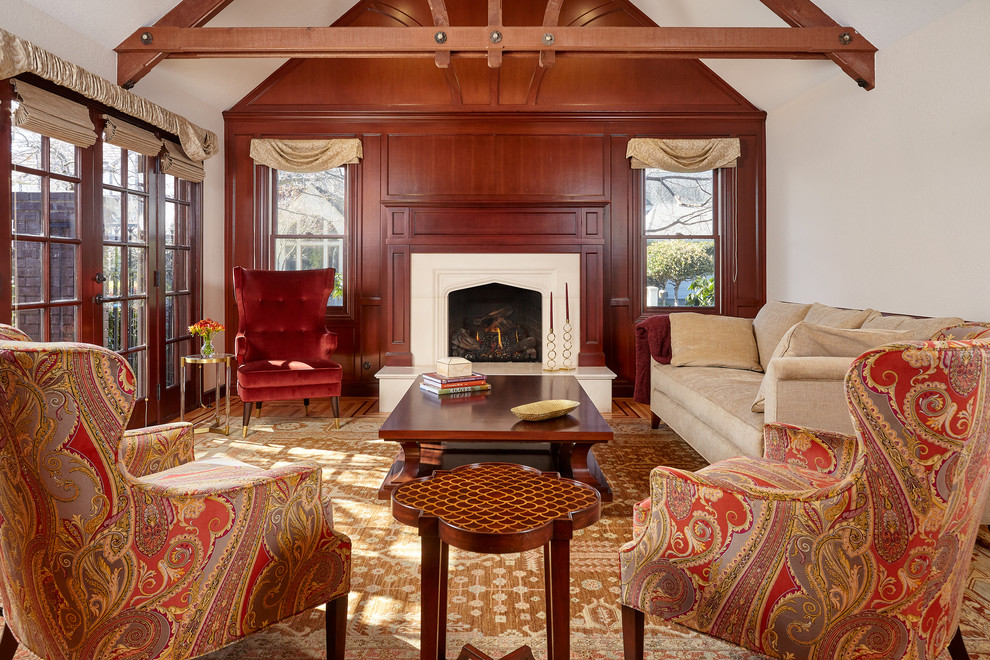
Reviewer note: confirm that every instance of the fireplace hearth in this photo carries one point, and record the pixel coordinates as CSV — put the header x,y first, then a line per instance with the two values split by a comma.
x,y
495,323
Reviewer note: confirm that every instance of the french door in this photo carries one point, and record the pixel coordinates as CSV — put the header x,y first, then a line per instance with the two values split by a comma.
x,y
103,250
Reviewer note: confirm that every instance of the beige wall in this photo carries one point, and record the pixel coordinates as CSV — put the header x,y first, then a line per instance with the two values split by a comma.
x,y
876,198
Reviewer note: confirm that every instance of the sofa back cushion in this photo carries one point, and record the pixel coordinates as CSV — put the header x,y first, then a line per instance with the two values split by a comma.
x,y
774,319
922,329
705,340
811,340
835,317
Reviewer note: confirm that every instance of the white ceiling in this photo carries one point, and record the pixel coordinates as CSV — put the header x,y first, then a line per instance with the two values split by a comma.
x,y
766,83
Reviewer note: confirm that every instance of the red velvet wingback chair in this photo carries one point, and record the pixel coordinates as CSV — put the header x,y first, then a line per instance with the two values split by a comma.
x,y
830,546
119,544
283,347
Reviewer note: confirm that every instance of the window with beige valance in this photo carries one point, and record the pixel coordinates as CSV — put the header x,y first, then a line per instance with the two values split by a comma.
x,y
174,161
682,154
128,136
306,156
51,115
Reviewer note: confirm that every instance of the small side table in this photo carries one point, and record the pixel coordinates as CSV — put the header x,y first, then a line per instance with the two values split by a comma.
x,y
217,359
495,508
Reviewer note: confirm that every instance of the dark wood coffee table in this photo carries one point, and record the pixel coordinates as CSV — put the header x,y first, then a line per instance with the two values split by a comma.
x,y
442,432
495,508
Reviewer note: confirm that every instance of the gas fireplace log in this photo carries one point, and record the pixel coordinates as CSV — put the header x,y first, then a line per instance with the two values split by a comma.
x,y
498,315
521,346
463,339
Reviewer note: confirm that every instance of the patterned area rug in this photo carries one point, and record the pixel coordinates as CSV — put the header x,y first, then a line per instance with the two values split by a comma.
x,y
496,602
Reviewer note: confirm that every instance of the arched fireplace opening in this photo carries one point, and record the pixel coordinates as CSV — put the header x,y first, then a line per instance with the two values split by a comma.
x,y
495,323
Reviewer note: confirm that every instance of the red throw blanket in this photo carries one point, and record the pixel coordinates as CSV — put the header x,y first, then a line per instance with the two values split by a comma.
x,y
652,340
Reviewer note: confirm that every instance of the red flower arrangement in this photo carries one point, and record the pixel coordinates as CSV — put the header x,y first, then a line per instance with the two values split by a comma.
x,y
206,328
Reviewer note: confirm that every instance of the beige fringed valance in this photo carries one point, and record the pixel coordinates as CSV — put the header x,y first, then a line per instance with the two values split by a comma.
x,y
174,161
52,115
121,134
20,56
306,155
683,155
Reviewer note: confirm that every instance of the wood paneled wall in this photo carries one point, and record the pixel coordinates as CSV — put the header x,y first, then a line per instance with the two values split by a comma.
x,y
517,159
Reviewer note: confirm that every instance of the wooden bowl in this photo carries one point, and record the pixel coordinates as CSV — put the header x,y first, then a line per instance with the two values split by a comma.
x,y
540,410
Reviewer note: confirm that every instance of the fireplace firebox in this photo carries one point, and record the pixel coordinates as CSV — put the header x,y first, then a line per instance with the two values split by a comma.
x,y
495,323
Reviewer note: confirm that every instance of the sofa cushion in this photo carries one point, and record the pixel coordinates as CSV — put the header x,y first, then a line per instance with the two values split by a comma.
x,y
921,329
835,317
774,319
720,398
810,340
704,340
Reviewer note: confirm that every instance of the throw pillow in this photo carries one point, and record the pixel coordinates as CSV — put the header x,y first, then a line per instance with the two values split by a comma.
x,y
810,340
704,340
772,322
834,317
922,329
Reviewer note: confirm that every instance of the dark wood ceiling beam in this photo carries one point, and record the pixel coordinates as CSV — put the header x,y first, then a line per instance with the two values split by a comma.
x,y
672,42
495,34
131,67
860,66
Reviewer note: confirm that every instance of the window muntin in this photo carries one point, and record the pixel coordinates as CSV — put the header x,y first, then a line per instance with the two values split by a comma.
x,y
680,239
45,246
309,225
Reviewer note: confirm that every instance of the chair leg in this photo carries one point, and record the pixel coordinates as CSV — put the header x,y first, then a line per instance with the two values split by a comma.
x,y
306,406
957,648
632,633
654,420
336,627
246,419
335,404
8,644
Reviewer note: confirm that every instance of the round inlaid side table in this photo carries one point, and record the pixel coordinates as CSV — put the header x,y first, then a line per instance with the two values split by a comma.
x,y
495,508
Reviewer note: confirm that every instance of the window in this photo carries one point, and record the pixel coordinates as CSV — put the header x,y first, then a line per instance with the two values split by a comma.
x,y
179,230
309,227
681,239
45,245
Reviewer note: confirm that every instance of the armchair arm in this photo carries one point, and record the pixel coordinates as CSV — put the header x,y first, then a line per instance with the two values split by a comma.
x,y
809,392
813,449
156,448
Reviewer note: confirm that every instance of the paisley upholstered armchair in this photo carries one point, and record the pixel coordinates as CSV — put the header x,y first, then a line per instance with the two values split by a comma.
x,y
119,544
830,546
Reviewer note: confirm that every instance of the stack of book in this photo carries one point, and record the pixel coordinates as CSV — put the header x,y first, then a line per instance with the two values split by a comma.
x,y
440,385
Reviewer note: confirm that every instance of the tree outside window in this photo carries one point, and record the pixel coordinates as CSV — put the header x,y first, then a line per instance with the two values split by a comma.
x,y
679,227
310,227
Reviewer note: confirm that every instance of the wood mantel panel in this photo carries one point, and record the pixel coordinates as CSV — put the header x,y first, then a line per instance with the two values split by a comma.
x,y
558,166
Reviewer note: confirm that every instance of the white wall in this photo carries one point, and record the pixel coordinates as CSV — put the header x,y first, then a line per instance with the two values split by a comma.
x,y
876,199
45,31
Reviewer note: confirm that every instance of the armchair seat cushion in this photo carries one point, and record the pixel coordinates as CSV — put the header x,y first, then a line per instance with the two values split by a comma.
x,y
289,373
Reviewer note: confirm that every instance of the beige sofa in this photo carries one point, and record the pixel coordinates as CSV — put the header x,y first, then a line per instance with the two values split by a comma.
x,y
712,407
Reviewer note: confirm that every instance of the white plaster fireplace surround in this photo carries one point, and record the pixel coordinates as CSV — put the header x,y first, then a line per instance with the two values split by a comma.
x,y
435,275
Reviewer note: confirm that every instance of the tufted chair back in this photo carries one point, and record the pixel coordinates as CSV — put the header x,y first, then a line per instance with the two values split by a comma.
x,y
282,314
63,503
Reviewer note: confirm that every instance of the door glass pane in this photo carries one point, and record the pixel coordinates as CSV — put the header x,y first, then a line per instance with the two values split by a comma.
x,y
25,148
28,272
169,223
170,186
138,366
62,157
137,223
30,321
182,315
111,216
136,330
169,317
112,257
171,368
136,164
135,271
169,270
113,337
111,165
62,209
62,324
62,272
28,213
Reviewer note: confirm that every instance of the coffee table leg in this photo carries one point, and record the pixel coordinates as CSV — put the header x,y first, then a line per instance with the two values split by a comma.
x,y
410,461
433,633
559,600
580,470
